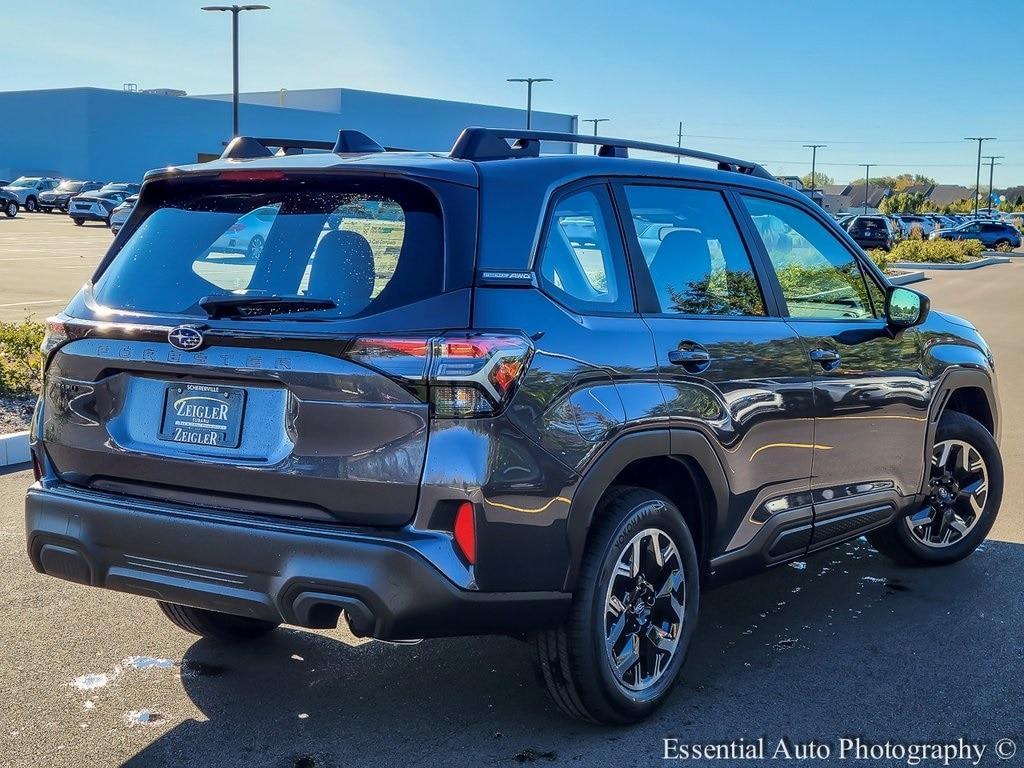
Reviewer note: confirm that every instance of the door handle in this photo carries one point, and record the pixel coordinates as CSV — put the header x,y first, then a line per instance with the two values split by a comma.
x,y
826,358
693,357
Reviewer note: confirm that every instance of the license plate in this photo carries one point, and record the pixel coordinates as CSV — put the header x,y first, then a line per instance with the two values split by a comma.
x,y
201,414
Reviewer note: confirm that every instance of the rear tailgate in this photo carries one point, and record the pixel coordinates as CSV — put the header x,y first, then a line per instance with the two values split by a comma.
x,y
258,412
311,435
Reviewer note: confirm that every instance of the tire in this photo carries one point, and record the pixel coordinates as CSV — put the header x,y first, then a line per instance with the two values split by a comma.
x,y
78,222
31,206
11,209
255,248
903,542
572,659
214,625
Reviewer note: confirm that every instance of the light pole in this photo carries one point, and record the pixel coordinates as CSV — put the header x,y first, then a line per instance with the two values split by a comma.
x,y
529,93
867,178
679,141
595,121
991,168
814,156
977,176
235,10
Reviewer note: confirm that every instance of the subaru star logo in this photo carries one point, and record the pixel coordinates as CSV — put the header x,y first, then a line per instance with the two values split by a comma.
x,y
185,337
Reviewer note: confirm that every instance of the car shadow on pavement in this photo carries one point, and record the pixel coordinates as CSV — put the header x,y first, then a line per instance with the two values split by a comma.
x,y
818,649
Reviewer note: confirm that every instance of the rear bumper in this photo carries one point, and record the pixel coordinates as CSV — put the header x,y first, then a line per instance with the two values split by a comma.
x,y
89,215
293,573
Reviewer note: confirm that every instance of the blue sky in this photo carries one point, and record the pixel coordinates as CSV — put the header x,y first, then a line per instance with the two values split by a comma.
x,y
895,84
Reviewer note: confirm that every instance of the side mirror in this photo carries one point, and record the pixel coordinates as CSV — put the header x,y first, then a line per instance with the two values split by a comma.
x,y
905,308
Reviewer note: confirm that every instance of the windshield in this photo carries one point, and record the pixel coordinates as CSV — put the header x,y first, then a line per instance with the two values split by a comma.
x,y
70,186
25,181
366,246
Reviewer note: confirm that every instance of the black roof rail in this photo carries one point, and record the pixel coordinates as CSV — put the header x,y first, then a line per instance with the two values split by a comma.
x,y
507,143
349,141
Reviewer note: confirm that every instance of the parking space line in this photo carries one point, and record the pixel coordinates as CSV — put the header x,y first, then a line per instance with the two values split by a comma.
x,y
33,303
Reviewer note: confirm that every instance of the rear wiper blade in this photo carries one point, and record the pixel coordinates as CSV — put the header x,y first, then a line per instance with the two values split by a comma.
x,y
256,306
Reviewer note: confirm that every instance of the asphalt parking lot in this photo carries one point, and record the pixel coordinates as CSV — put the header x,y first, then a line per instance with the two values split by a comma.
x,y
848,645
44,259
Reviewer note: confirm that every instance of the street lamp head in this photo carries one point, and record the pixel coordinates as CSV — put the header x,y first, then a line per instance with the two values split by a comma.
x,y
529,80
235,8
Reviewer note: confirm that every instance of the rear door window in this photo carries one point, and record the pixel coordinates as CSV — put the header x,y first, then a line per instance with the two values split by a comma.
x,y
693,250
371,247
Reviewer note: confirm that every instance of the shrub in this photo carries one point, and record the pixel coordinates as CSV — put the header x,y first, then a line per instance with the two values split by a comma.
x,y
881,258
937,251
20,358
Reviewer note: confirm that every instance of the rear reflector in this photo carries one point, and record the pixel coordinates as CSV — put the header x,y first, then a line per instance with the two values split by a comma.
x,y
465,531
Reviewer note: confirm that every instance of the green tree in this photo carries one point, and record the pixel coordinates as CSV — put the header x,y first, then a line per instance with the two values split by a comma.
x,y
820,180
902,202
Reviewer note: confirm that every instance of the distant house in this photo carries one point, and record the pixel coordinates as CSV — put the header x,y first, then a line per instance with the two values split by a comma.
x,y
1012,194
871,195
947,194
843,198
918,189
795,182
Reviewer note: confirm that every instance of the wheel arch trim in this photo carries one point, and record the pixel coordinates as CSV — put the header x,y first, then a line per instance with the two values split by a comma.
x,y
625,450
952,380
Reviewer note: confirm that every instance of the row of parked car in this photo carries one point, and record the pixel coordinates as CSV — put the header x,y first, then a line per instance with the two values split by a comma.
x,y
107,202
994,230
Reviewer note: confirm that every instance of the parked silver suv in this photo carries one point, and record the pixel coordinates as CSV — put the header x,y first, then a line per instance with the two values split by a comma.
x,y
28,188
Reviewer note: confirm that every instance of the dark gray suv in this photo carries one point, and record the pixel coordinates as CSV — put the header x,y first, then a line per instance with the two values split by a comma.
x,y
495,391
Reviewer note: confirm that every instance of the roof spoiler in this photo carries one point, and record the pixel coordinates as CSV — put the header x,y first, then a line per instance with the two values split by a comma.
x,y
481,144
248,147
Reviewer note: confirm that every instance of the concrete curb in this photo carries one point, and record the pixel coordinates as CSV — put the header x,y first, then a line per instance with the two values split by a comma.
x,y
907,278
983,262
14,449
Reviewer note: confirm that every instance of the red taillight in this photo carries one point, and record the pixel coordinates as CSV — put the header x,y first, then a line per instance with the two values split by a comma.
x,y
468,374
251,175
37,468
56,334
391,346
465,531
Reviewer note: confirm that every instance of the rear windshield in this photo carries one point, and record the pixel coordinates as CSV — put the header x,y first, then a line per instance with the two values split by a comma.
x,y
367,246
868,225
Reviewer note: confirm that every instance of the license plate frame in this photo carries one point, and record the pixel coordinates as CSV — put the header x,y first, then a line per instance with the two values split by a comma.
x,y
203,415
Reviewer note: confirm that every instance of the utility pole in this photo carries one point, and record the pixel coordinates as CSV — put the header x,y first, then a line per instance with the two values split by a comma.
x,y
814,156
867,178
595,121
679,141
529,94
235,10
991,168
977,175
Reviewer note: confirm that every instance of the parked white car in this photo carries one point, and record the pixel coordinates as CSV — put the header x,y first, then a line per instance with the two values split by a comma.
x,y
248,235
120,214
26,189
